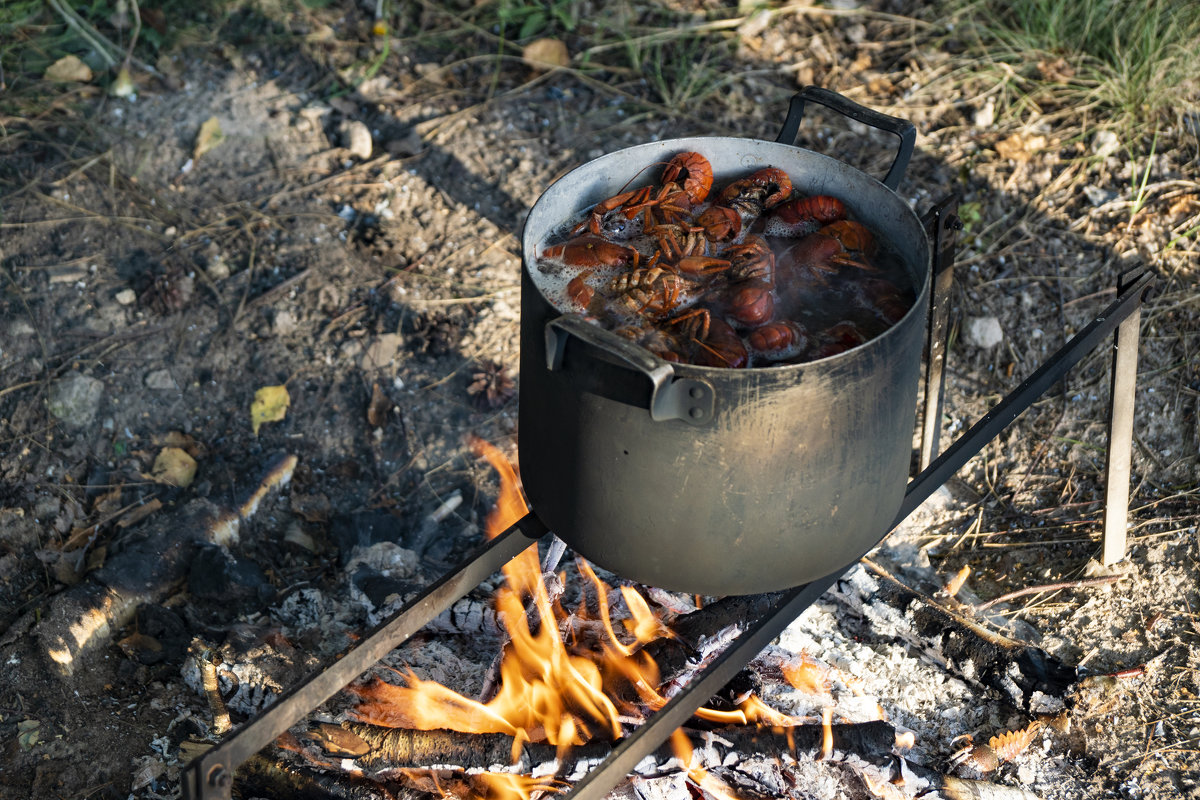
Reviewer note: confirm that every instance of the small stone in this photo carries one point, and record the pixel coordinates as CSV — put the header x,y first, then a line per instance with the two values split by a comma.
x,y
126,297
356,138
74,399
983,332
986,116
218,267
284,324
161,379
382,350
1105,143
20,328
1097,196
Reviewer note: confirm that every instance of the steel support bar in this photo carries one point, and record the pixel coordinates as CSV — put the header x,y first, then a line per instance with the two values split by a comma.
x,y
966,446
210,777
1120,433
942,225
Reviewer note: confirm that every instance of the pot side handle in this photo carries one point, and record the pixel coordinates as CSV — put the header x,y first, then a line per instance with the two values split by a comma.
x,y
848,108
670,397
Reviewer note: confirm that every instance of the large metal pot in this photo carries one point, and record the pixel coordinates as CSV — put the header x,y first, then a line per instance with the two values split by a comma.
x,y
721,481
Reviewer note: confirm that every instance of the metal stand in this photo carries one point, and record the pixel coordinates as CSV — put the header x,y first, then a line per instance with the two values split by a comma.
x,y
1120,432
210,777
941,225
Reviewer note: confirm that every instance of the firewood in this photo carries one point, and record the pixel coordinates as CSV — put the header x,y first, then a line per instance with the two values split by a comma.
x,y
394,748
81,621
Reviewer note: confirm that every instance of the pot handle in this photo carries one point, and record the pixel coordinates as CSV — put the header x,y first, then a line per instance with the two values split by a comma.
x,y
670,397
848,108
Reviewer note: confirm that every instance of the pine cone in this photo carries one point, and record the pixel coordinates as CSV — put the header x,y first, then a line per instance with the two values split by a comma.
x,y
491,386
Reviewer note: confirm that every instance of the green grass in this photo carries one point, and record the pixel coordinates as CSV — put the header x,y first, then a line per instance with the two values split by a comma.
x,y
1133,67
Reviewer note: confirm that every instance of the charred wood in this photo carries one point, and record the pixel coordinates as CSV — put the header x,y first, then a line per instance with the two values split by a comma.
x,y
261,776
393,748
81,621
1026,676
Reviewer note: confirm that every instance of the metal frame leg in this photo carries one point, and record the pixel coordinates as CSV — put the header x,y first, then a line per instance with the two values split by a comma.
x,y
942,225
1117,468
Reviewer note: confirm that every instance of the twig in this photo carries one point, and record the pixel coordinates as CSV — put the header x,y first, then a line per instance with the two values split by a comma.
x,y
1049,587
90,35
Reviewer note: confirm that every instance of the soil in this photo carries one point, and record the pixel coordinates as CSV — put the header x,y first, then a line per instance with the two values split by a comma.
x,y
165,288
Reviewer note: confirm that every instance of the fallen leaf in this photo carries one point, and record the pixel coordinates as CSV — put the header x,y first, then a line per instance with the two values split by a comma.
x,y
27,733
1020,147
270,405
174,467
183,441
123,85
210,136
79,537
546,54
379,407
69,69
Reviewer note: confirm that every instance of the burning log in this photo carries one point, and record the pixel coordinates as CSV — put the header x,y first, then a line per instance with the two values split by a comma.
x,y
400,754
393,748
1027,677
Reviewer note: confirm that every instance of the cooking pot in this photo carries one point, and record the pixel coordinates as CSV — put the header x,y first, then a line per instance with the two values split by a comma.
x,y
709,480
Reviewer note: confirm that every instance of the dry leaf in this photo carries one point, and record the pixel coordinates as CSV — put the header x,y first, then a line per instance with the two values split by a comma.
x,y
377,411
174,467
69,69
1020,147
78,538
546,54
210,136
184,442
1008,746
807,675
270,405
1058,70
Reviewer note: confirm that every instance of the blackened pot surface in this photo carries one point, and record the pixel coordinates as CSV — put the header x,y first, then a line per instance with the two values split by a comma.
x,y
784,475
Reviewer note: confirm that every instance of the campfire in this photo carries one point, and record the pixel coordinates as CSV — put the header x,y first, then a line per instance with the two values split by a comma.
x,y
565,679
568,686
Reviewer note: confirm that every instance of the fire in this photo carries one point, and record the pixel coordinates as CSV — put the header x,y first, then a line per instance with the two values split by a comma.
x,y
548,691
565,678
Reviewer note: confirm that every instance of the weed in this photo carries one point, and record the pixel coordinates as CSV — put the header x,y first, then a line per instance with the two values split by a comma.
x,y
1137,66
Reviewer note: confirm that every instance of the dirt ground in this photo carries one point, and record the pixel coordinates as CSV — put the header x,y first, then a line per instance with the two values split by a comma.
x,y
149,293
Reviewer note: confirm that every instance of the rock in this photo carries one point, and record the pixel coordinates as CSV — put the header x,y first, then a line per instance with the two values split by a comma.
x,y
218,267
161,379
983,332
1097,196
985,117
284,324
356,138
74,399
382,350
126,297
1105,143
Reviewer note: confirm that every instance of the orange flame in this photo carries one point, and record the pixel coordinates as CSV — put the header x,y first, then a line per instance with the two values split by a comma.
x,y
510,505
548,691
